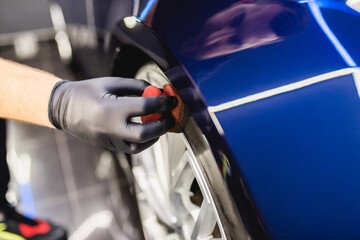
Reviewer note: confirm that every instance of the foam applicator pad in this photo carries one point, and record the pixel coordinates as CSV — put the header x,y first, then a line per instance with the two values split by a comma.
x,y
151,91
179,113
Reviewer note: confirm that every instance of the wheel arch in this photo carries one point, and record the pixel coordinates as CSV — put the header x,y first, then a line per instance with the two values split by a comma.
x,y
130,46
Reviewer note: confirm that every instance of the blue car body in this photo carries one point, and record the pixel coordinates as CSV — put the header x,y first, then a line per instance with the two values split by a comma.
x,y
274,86
296,143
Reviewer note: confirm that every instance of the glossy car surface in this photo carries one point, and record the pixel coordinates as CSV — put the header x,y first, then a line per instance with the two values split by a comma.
x,y
273,86
294,142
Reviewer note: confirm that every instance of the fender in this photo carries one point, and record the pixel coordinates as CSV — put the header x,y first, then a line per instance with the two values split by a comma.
x,y
133,43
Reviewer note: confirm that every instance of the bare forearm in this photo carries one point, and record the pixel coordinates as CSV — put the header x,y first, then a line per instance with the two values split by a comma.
x,y
24,93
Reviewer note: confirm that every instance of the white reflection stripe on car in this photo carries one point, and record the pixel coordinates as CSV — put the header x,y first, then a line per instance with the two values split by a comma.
x,y
290,87
316,12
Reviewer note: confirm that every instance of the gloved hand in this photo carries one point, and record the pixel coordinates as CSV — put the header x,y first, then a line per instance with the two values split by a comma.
x,y
99,111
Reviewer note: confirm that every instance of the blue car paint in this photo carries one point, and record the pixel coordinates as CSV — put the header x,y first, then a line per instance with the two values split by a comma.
x,y
296,150
318,16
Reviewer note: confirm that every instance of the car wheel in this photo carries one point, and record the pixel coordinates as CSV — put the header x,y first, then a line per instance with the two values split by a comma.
x,y
180,191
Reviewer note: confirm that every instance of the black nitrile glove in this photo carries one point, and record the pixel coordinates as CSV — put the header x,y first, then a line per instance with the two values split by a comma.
x,y
99,111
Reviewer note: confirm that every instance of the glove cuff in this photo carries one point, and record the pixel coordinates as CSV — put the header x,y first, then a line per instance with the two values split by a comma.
x,y
52,109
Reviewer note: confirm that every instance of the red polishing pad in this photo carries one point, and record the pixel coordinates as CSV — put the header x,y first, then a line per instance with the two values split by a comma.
x,y
179,112
151,91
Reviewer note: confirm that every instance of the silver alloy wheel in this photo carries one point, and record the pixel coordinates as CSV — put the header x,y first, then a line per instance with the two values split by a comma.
x,y
179,187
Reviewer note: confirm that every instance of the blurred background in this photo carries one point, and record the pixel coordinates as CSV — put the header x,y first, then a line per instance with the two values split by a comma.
x,y
56,176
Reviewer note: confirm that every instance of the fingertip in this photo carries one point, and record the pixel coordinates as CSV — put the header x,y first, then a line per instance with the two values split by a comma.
x,y
139,147
158,104
167,120
170,103
174,102
159,127
171,121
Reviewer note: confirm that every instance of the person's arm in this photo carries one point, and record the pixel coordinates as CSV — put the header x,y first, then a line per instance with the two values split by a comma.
x,y
25,92
98,110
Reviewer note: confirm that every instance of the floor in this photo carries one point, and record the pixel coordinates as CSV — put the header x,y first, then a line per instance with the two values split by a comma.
x,y
61,178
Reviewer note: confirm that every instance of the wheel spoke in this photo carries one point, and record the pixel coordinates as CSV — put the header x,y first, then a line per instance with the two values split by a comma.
x,y
205,223
176,150
148,181
161,155
156,199
183,176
